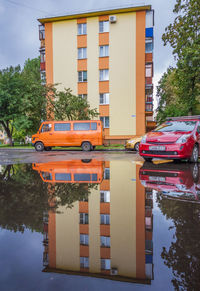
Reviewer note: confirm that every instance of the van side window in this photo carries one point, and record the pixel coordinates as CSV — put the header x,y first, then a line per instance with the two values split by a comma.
x,y
82,126
46,127
94,126
62,126
62,177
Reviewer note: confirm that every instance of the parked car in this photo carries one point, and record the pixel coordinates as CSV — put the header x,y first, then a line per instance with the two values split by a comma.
x,y
133,144
81,133
178,138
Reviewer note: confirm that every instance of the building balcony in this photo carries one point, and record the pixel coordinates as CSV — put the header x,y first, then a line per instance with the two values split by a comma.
x,y
148,81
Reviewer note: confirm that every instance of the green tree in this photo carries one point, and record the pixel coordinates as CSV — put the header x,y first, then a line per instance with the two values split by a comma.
x,y
64,105
184,37
22,99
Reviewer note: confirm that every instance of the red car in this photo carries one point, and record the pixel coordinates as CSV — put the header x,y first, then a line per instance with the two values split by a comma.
x,y
177,138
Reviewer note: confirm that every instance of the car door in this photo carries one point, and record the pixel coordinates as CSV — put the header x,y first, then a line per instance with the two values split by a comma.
x,y
46,134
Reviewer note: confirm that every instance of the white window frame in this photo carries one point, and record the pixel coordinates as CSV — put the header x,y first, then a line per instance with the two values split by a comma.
x,y
103,119
105,218
105,241
82,28
85,239
103,26
104,51
148,70
81,76
83,219
105,264
84,262
105,196
104,75
104,98
82,53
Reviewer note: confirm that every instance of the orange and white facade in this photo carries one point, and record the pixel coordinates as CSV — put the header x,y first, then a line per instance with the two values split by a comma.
x,y
101,56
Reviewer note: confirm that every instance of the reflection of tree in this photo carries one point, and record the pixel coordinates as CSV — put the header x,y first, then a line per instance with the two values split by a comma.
x,y
23,199
183,255
67,194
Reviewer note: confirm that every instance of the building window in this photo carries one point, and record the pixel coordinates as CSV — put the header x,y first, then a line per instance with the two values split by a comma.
x,y
105,241
105,218
82,28
104,51
105,264
42,56
105,196
104,99
82,76
104,75
105,121
84,96
41,32
149,45
106,175
103,26
84,218
84,262
84,239
43,77
82,53
148,69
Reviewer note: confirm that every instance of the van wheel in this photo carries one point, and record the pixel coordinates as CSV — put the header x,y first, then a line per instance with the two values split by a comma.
x,y
195,155
86,146
39,146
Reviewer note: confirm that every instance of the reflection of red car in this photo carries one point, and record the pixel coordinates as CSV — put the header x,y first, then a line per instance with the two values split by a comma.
x,y
180,181
177,138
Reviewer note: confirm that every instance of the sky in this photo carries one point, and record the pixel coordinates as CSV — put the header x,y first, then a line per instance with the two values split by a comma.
x,y
19,26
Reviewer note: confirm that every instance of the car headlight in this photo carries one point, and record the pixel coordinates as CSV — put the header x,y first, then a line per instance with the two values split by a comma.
x,y
143,140
183,138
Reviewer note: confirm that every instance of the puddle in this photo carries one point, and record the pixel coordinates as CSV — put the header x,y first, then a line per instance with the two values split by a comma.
x,y
90,224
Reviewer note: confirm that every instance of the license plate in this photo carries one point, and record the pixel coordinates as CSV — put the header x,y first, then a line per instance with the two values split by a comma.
x,y
157,179
157,148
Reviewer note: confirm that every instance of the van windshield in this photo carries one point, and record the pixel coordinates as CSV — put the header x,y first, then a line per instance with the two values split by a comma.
x,y
46,127
174,126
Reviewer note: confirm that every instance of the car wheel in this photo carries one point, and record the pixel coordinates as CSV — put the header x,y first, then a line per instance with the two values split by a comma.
x,y
86,146
47,149
39,146
195,172
195,154
136,147
147,159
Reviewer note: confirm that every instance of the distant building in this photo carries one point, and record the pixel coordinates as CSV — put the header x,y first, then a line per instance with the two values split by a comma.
x,y
106,57
2,136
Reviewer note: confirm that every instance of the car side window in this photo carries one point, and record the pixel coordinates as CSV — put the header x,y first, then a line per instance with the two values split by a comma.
x,y
198,129
46,127
62,126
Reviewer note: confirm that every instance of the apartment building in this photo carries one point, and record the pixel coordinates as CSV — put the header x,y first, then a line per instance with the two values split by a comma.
x,y
107,234
106,57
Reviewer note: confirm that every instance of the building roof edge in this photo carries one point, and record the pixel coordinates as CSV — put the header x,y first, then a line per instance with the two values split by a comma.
x,y
94,13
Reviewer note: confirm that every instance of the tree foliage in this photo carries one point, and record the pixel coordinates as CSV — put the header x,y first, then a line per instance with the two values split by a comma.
x,y
22,98
63,105
184,37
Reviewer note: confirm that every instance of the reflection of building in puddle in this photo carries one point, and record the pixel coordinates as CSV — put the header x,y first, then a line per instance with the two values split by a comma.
x,y
108,234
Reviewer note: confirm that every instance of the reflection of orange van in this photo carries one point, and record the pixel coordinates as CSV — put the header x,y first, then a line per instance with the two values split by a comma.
x,y
74,171
84,133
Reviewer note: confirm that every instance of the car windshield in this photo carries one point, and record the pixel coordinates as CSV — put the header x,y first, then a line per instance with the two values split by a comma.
x,y
174,126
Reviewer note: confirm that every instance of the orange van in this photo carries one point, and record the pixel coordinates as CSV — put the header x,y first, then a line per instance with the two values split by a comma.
x,y
84,133
73,171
